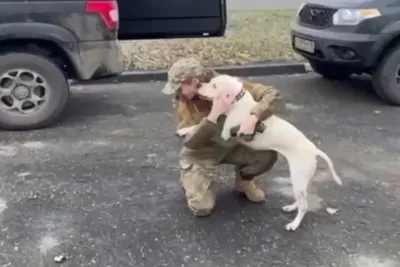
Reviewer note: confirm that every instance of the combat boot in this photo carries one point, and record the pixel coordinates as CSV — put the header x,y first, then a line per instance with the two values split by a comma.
x,y
250,189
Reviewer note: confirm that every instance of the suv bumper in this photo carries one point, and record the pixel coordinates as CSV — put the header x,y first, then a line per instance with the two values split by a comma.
x,y
98,59
337,47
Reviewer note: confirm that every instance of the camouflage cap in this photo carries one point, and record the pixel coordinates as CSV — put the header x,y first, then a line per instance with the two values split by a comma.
x,y
180,71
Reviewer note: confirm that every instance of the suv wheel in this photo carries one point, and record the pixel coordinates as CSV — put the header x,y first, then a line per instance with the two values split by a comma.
x,y
33,91
386,77
330,71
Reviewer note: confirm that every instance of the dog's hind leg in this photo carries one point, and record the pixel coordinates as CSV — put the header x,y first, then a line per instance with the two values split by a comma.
x,y
301,172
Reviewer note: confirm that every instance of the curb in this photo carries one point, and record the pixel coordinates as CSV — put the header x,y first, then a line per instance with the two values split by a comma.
x,y
252,70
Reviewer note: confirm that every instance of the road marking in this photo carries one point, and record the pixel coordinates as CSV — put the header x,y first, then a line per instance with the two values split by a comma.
x,y
368,261
8,151
47,243
291,106
3,205
34,145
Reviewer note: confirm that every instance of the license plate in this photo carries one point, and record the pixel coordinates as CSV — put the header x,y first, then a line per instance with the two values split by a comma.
x,y
305,45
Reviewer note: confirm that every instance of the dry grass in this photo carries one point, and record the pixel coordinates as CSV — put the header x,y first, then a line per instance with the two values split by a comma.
x,y
252,36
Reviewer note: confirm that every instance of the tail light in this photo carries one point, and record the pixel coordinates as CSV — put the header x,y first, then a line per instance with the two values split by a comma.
x,y
107,10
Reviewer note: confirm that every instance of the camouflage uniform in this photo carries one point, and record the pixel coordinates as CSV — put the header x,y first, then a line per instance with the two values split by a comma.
x,y
204,150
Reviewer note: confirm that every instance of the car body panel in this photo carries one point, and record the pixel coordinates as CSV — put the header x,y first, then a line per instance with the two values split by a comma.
x,y
93,49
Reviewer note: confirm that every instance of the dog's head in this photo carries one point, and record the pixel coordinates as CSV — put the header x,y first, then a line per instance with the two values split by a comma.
x,y
221,84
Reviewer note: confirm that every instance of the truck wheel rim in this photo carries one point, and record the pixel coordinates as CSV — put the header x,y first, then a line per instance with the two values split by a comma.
x,y
398,76
23,91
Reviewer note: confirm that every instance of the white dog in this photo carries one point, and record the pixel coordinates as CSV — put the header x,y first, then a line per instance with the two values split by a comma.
x,y
278,135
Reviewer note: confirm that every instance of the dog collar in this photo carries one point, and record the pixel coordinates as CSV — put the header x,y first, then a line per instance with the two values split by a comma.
x,y
240,94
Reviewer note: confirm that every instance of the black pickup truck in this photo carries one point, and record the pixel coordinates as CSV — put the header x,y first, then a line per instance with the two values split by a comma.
x,y
45,43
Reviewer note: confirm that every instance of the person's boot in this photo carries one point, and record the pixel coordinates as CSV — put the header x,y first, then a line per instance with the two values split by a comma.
x,y
250,189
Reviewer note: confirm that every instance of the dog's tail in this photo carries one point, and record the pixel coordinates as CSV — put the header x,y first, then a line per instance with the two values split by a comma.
x,y
331,167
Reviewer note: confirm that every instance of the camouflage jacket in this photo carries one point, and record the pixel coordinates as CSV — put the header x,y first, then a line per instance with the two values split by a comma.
x,y
205,144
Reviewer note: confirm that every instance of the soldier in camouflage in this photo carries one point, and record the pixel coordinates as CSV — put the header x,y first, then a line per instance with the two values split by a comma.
x,y
203,151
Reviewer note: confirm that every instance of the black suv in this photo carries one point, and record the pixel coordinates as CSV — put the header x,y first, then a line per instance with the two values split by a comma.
x,y
43,44
340,38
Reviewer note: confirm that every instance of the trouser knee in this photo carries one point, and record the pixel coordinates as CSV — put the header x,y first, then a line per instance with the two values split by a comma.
x,y
201,206
199,189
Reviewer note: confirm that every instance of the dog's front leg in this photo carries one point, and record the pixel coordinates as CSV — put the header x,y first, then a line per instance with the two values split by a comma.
x,y
184,131
226,133
231,124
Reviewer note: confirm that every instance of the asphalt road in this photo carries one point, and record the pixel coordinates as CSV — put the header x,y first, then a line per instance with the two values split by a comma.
x,y
102,187
262,4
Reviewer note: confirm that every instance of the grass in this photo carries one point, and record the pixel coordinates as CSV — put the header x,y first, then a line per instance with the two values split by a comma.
x,y
251,36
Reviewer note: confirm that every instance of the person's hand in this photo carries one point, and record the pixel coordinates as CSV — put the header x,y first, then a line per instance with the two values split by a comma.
x,y
221,105
248,125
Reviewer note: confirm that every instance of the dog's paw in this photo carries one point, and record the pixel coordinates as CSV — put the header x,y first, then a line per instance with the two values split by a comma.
x,y
184,131
291,227
181,133
225,135
290,208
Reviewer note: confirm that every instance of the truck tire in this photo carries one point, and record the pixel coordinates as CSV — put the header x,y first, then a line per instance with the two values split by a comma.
x,y
386,77
33,91
330,71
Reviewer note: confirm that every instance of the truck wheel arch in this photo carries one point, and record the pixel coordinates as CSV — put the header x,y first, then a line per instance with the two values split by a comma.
x,y
392,33
39,37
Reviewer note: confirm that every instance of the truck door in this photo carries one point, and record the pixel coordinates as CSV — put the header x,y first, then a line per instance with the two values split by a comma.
x,y
157,19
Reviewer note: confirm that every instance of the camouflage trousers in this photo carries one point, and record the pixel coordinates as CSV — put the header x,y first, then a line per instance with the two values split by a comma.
x,y
197,176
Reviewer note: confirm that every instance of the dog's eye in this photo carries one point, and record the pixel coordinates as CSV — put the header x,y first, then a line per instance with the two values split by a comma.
x,y
214,86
